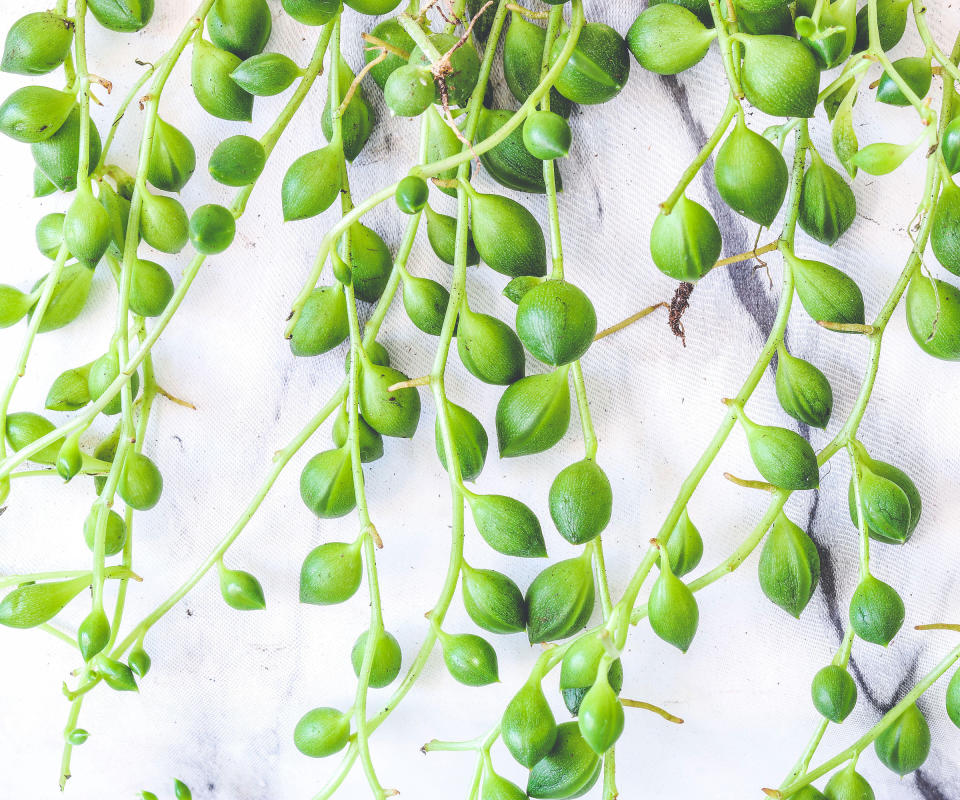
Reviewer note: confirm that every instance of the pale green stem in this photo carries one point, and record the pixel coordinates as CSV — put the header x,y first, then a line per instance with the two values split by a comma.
x,y
72,718
853,69
610,775
726,45
861,519
83,79
375,630
549,167
20,368
920,16
420,38
455,561
803,763
14,580
121,113
280,461
59,634
709,146
692,481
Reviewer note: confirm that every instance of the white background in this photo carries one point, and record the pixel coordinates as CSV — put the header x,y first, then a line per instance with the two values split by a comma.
x,y
226,688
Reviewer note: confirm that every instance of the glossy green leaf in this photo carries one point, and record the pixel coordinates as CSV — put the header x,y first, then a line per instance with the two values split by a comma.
x,y
570,769
905,745
331,573
322,732
834,693
387,659
560,600
326,484
581,501
533,414
492,600
528,727
685,243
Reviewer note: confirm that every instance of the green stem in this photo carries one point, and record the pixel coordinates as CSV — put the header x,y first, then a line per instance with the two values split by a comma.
x,y
803,763
375,631
14,580
279,462
861,519
853,69
948,64
457,290
610,775
583,406
692,481
726,45
20,368
66,638
420,37
83,79
709,146
121,112
549,167
282,458
72,718
852,423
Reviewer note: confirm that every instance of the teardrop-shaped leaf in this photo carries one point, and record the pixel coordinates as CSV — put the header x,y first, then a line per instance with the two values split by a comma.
x,y
507,525
560,600
311,184
35,603
533,414
789,568
905,745
881,158
528,727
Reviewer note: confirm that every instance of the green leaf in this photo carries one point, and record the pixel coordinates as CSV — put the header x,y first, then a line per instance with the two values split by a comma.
x,y
35,603
533,414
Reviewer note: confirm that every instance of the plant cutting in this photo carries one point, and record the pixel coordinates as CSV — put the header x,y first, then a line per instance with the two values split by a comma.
x,y
439,68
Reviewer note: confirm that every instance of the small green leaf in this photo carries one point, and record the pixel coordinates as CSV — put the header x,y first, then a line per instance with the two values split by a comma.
x,y
470,659
35,603
881,158
331,573
240,589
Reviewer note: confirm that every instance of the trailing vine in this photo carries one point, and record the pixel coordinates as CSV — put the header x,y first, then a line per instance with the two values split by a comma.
x,y
438,63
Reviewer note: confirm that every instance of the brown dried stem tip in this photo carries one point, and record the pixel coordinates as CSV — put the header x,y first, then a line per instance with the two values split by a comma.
x,y
678,306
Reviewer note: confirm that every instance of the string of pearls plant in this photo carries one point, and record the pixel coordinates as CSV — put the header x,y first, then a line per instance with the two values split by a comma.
x,y
436,63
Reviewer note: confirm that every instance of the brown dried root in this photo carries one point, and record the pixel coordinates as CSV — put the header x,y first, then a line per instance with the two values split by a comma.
x,y
678,306
442,68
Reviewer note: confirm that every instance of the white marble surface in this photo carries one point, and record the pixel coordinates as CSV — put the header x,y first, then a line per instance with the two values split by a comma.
x,y
226,688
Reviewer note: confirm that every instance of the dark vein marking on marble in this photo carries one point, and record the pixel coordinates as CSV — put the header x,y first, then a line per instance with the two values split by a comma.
x,y
749,289
927,788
